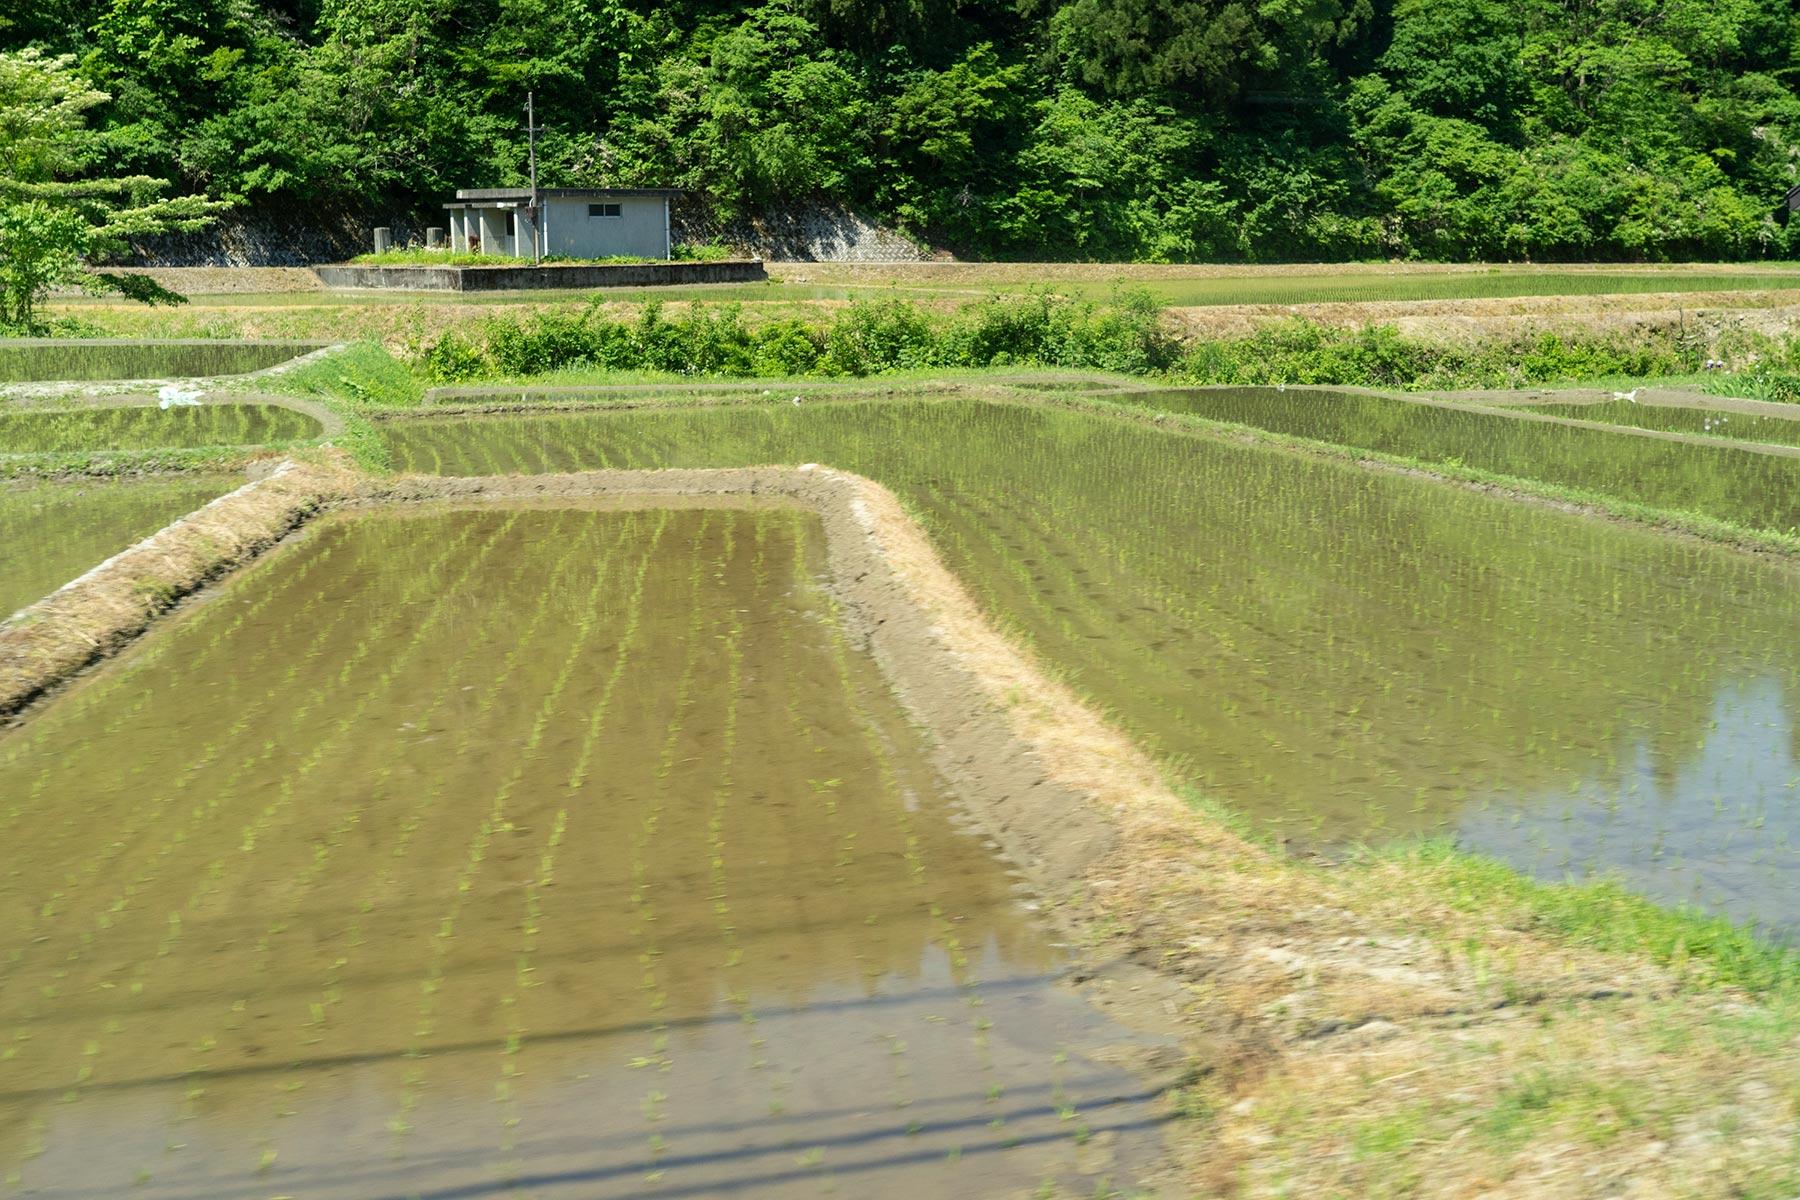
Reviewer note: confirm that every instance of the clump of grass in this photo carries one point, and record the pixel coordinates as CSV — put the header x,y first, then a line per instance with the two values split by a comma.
x,y
1605,915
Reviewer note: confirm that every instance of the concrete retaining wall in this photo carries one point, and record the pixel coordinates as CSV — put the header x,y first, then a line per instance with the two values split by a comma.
x,y
496,279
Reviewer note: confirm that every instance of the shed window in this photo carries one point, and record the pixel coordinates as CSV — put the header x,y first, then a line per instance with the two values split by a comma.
x,y
512,224
603,210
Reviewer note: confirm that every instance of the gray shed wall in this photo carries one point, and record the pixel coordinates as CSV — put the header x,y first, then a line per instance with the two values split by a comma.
x,y
638,230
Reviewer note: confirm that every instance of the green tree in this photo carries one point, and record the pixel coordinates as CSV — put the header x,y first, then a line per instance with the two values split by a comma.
x,y
57,218
785,118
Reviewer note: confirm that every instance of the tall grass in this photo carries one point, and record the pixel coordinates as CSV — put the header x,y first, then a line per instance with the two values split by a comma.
x,y
869,337
1126,333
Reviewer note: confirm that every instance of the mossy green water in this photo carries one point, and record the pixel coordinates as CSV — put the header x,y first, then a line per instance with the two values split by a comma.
x,y
1338,654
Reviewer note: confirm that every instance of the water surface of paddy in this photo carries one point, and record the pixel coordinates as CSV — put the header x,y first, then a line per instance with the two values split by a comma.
x,y
51,532
1740,485
149,427
1707,422
571,852
26,359
1339,654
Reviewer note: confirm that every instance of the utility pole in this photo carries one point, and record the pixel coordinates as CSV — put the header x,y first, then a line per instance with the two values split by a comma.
x,y
531,132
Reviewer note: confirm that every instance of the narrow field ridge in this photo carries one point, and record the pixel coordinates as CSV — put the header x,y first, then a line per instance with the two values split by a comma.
x,y
95,614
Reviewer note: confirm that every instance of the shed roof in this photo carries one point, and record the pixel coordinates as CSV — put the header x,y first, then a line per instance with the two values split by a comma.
x,y
559,193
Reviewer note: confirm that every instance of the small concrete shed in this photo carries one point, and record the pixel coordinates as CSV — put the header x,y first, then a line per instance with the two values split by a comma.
x,y
568,222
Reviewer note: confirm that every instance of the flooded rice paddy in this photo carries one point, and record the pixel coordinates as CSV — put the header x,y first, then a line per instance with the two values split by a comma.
x,y
149,427
1339,654
30,359
51,532
1739,485
565,852
1707,422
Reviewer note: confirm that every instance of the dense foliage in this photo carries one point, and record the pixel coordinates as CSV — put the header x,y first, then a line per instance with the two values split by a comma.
x,y
1125,334
61,206
1633,129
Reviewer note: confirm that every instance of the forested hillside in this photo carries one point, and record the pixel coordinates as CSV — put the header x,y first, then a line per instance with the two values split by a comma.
x,y
1147,129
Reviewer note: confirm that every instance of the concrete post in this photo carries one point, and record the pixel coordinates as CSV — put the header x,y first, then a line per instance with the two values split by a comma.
x,y
434,238
384,239
526,233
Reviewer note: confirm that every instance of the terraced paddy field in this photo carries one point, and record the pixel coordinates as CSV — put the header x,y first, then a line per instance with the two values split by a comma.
x,y
1337,654
148,427
1743,486
1715,422
52,531
550,850
38,359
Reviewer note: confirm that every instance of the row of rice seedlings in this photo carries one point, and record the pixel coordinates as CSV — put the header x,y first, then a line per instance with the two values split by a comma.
x,y
653,986
269,590
494,819
724,798
104,693
54,531
551,705
142,817
140,992
1735,484
1703,422
425,801
147,427
1276,655
331,993
30,360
